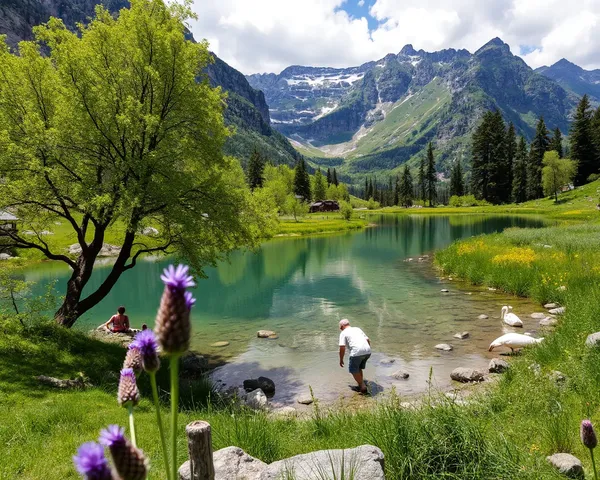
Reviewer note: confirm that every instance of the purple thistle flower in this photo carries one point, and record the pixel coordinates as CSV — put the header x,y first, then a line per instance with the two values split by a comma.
x,y
588,436
91,463
146,342
130,462
177,278
128,394
189,300
133,359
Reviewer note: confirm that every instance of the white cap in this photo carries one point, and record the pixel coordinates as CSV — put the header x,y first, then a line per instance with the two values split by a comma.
x,y
344,322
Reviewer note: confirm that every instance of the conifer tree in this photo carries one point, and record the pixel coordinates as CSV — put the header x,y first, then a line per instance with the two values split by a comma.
x,y
519,187
405,196
371,192
334,178
302,181
329,179
422,188
430,175
457,186
397,191
256,166
583,148
538,147
510,147
556,143
366,188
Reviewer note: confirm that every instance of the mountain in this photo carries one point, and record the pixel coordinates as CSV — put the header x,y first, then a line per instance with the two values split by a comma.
x,y
379,115
247,109
574,78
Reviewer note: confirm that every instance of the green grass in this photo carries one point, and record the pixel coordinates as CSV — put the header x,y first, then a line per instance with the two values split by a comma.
x,y
318,223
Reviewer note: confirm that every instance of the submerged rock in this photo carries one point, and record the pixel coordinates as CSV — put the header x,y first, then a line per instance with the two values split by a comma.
x,y
444,290
483,316
387,361
444,347
538,315
497,365
548,322
567,464
219,344
461,335
266,334
400,375
466,375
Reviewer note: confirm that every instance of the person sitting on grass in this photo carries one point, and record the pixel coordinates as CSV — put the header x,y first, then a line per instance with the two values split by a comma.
x,y
359,347
120,322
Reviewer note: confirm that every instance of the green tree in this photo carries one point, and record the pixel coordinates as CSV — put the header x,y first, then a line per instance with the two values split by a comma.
x,y
539,146
430,175
556,173
343,193
114,131
510,150
302,181
482,154
405,197
256,166
319,187
296,207
278,183
421,181
519,187
397,191
346,210
583,147
329,178
556,143
490,175
457,186
334,178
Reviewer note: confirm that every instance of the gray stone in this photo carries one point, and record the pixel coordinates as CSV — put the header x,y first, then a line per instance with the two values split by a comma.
x,y
256,400
492,289
538,315
400,375
219,344
305,399
536,368
483,316
551,305
192,365
497,365
285,412
5,256
557,311
46,232
231,463
466,375
548,322
444,346
107,250
150,232
360,463
592,339
387,361
78,383
265,384
266,334
461,335
557,377
567,464
105,335
444,290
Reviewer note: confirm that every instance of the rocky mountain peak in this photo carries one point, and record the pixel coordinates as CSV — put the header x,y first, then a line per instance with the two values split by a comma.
x,y
408,50
495,44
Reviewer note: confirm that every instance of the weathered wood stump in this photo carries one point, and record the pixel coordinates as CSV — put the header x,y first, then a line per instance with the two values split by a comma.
x,y
200,450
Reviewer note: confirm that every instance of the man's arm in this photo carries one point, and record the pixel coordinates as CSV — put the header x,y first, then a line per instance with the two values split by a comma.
x,y
342,352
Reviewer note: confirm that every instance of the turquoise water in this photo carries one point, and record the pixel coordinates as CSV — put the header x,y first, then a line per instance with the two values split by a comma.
x,y
302,287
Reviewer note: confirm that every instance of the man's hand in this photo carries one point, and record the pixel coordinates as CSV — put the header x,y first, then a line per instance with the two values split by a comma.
x,y
342,352
342,363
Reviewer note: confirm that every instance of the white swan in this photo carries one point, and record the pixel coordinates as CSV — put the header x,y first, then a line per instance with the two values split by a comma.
x,y
510,318
514,340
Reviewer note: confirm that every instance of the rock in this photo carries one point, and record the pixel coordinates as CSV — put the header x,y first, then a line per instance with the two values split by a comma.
x,y
79,383
105,335
5,256
450,278
387,361
256,399
192,365
266,334
219,344
400,375
535,368
557,311
28,233
592,339
285,412
150,232
483,316
461,335
547,246
46,232
567,464
265,384
444,346
557,377
305,399
497,365
492,289
444,290
538,315
551,305
360,463
548,322
231,463
466,375
107,250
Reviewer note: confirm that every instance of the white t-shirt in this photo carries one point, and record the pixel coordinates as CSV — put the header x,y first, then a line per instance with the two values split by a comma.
x,y
355,340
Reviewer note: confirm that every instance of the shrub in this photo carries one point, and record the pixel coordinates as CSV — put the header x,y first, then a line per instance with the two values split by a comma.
x,y
372,204
346,210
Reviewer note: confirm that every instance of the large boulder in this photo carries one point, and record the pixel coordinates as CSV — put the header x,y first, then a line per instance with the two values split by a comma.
x,y
497,365
466,375
567,464
231,463
105,335
267,334
592,339
444,347
5,256
150,232
256,400
265,384
360,463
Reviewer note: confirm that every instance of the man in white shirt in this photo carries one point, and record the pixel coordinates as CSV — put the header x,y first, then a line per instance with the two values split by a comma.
x,y
359,351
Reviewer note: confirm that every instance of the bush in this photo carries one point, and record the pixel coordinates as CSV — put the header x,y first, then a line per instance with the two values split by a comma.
x,y
346,210
466,201
372,204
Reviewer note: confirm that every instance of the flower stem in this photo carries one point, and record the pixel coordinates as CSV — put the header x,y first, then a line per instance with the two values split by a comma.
x,y
174,366
160,425
132,426
594,464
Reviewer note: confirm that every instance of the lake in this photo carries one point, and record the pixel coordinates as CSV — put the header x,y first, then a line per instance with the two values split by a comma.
x,y
302,287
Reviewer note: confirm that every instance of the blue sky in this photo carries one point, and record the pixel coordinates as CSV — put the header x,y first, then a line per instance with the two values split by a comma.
x,y
360,8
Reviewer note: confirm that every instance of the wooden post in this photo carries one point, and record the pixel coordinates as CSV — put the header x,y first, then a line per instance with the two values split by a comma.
x,y
200,450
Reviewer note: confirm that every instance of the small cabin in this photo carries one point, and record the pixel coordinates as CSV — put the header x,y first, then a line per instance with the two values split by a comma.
x,y
8,223
324,206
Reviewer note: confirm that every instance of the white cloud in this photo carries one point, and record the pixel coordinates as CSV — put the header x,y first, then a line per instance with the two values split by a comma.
x,y
361,3
269,35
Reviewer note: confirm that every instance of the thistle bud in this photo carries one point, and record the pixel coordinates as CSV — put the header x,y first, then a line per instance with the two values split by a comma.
x,y
133,359
588,436
128,394
130,462
173,319
91,463
145,342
